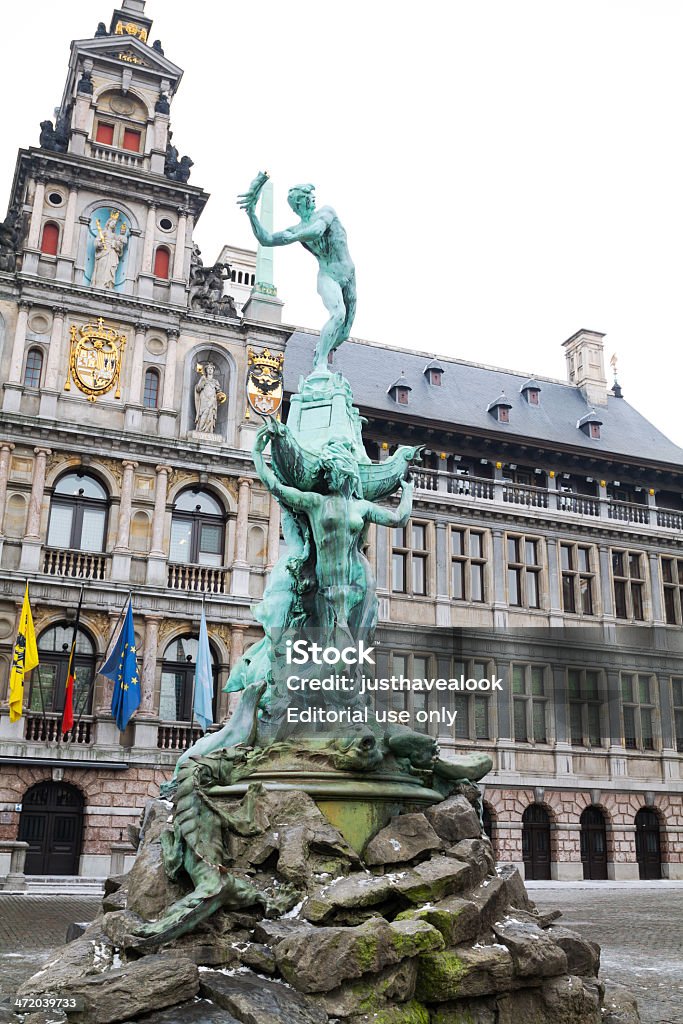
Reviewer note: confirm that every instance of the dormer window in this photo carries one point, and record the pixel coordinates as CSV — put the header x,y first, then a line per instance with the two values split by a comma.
x,y
400,390
500,408
590,424
434,372
531,390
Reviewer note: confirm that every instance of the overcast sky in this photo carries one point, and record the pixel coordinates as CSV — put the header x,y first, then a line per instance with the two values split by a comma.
x,y
508,171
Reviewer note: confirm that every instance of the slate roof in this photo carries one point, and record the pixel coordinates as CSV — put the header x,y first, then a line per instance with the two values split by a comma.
x,y
468,388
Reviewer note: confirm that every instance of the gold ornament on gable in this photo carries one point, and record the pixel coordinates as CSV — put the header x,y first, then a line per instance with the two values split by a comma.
x,y
129,28
95,359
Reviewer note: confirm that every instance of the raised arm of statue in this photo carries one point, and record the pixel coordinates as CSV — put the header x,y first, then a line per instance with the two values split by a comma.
x,y
393,517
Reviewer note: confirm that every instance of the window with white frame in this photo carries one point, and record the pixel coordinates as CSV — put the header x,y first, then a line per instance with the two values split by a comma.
x,y
638,709
410,559
628,576
474,711
468,564
524,571
583,691
530,703
578,578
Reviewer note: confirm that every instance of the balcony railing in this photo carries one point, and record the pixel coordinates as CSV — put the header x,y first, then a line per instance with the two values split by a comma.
x,y
200,578
177,736
48,729
121,157
626,512
476,489
524,494
82,565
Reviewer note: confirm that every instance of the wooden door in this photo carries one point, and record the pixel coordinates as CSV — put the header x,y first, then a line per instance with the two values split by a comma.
x,y
52,824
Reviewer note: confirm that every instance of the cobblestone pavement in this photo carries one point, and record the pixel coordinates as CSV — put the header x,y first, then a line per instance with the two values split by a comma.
x,y
640,931
30,927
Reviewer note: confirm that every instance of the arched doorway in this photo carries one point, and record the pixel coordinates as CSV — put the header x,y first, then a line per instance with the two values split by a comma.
x,y
52,824
593,844
648,844
536,842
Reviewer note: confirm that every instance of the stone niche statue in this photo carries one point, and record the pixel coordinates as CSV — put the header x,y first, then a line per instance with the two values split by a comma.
x,y
110,246
208,395
55,138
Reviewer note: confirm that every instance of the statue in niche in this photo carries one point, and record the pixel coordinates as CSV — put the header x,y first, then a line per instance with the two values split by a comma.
x,y
208,394
109,248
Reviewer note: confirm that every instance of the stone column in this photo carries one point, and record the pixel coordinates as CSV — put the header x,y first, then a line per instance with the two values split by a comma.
x,y
179,255
30,550
149,666
168,414
273,534
146,277
134,403
500,608
156,564
240,566
13,385
54,369
6,449
236,652
121,556
33,239
67,256
443,606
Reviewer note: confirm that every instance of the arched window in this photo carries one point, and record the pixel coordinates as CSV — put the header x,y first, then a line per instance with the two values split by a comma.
x,y
150,398
78,514
34,368
197,529
49,242
177,679
162,262
48,680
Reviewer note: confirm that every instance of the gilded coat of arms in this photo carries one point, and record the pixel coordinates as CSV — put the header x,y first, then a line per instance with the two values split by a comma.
x,y
264,382
95,359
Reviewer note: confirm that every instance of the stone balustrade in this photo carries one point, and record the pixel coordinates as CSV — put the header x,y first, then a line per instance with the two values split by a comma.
x,y
81,565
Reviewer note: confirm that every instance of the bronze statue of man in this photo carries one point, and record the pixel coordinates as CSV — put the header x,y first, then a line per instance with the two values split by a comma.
x,y
321,232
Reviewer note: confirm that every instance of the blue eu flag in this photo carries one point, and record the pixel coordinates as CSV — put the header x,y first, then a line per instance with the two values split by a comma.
x,y
122,668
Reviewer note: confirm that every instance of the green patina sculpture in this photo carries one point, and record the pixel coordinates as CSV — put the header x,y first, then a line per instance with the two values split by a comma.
x,y
321,232
321,589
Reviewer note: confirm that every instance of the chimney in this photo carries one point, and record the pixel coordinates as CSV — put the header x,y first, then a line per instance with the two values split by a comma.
x,y
586,365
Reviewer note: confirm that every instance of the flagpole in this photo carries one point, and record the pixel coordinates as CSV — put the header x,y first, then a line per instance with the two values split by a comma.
x,y
194,678
69,671
103,659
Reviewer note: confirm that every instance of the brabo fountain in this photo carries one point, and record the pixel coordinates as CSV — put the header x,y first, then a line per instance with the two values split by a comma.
x,y
310,840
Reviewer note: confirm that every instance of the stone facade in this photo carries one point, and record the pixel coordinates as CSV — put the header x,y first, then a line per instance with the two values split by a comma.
x,y
565,525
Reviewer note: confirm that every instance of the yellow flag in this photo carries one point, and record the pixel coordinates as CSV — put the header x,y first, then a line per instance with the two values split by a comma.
x,y
24,659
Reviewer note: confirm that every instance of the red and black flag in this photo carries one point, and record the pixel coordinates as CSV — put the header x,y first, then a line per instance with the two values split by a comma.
x,y
68,716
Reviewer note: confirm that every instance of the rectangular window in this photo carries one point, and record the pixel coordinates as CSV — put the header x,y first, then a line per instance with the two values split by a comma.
x,y
524,572
672,578
105,133
468,561
131,140
474,711
181,542
530,701
677,685
638,708
576,563
583,691
410,560
628,574
59,532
